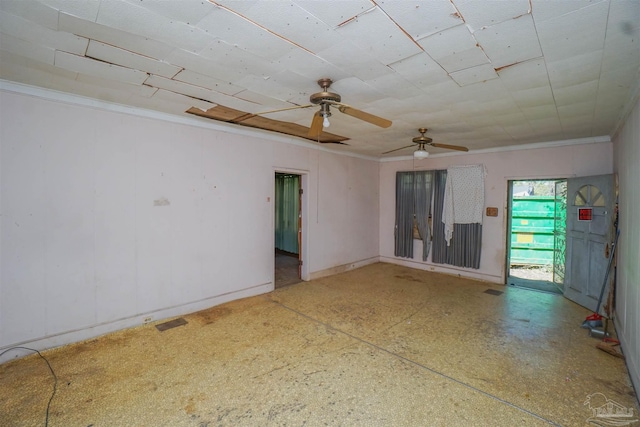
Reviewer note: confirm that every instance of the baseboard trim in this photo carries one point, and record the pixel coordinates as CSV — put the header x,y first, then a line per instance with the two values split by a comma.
x,y
450,270
69,337
633,365
343,268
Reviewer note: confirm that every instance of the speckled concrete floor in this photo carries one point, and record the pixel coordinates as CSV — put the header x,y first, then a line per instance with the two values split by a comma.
x,y
379,346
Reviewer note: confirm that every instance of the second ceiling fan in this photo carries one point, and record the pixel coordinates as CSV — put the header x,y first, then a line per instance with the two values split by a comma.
x,y
422,141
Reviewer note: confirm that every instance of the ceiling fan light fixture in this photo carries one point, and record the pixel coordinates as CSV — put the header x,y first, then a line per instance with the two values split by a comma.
x,y
420,153
325,112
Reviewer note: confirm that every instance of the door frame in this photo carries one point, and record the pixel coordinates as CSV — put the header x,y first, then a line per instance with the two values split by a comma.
x,y
303,229
509,217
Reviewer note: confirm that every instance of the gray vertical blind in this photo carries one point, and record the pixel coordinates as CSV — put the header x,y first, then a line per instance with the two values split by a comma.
x,y
405,201
413,202
423,194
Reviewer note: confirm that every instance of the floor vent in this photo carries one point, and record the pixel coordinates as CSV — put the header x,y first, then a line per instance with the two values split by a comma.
x,y
171,324
493,292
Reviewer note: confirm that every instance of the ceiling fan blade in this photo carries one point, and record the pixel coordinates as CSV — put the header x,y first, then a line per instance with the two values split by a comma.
x,y
316,125
450,147
398,149
358,114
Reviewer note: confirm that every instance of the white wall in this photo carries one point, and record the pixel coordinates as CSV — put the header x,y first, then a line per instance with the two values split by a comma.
x,y
108,218
563,161
627,166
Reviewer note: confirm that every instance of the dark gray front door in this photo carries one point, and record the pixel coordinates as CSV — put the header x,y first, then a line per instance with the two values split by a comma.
x,y
590,205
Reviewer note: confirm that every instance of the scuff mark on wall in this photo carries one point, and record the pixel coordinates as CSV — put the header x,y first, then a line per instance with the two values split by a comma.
x,y
162,201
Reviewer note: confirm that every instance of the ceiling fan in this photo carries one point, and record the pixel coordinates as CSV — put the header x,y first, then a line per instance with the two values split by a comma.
x,y
325,100
421,152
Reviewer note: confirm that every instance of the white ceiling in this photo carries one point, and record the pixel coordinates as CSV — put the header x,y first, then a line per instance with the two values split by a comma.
x,y
477,73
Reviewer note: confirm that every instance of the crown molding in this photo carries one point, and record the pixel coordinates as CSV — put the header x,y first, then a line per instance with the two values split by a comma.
x,y
83,101
73,99
531,146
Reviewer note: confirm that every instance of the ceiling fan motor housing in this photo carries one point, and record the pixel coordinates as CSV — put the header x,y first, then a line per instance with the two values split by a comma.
x,y
320,97
324,96
422,140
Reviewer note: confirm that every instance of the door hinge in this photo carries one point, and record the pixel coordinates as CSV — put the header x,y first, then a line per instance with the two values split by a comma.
x,y
299,262
300,191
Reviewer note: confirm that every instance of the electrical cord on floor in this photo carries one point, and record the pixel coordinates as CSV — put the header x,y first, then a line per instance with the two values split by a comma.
x,y
55,378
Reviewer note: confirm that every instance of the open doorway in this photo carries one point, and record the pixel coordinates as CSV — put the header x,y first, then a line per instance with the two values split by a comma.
x,y
536,248
288,229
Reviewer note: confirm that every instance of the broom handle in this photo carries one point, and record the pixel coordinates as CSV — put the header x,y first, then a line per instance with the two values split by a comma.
x,y
606,275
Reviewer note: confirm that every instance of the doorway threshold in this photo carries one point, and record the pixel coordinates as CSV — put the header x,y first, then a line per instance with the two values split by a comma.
x,y
534,285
